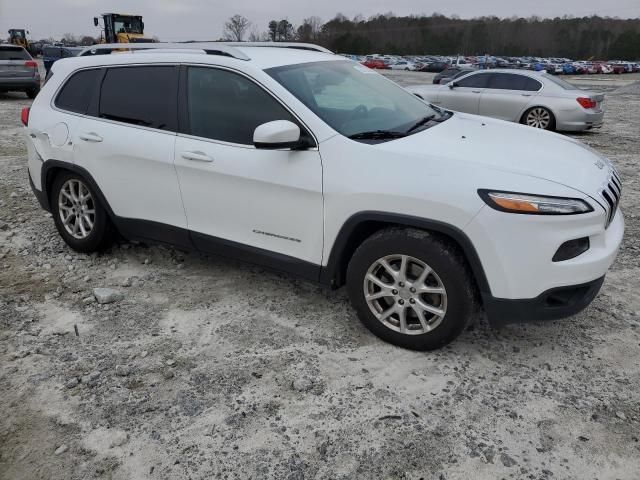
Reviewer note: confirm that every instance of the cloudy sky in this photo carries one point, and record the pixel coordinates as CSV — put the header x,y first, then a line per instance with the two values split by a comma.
x,y
204,19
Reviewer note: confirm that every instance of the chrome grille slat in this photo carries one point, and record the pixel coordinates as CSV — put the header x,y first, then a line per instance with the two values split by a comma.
x,y
612,193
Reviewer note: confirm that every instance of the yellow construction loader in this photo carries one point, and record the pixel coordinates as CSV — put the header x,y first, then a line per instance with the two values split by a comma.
x,y
120,28
18,36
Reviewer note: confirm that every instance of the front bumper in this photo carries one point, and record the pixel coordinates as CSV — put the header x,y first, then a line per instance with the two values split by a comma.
x,y
517,250
553,304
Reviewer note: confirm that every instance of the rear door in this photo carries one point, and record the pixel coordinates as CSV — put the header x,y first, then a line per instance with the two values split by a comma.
x,y
13,63
126,142
465,94
507,95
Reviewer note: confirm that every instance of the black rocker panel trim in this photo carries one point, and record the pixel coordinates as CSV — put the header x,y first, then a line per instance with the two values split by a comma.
x,y
254,255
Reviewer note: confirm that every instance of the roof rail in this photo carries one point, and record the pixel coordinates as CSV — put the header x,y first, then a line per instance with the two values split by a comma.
x,y
228,49
210,48
294,45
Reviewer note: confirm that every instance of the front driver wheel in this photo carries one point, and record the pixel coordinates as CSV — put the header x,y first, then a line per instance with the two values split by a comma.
x,y
80,219
410,288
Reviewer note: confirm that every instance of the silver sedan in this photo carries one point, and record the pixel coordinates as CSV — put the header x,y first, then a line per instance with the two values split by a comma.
x,y
536,99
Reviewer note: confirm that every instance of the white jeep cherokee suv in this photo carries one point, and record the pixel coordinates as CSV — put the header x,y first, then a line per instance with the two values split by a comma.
x,y
297,159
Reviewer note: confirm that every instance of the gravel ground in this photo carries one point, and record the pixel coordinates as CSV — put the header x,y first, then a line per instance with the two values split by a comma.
x,y
205,368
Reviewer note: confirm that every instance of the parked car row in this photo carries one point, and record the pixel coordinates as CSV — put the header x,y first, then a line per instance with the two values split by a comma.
x,y
554,66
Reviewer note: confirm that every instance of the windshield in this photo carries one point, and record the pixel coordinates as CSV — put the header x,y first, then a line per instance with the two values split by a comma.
x,y
352,99
127,25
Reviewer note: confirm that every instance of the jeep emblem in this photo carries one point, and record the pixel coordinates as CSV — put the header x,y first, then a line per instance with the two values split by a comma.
x,y
600,164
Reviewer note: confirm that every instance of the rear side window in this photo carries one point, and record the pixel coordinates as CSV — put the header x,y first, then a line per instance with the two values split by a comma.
x,y
511,81
144,96
77,92
52,52
479,80
12,53
228,107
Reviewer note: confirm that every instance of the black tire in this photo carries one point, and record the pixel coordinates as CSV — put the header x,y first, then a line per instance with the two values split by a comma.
x,y
32,92
552,119
443,258
102,233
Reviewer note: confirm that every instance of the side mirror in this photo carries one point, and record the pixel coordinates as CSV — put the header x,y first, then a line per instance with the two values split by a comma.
x,y
453,85
95,21
276,135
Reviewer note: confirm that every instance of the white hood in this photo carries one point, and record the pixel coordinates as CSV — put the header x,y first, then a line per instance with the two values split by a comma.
x,y
513,148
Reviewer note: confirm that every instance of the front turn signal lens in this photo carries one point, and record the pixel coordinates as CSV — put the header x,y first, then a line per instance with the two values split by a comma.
x,y
533,204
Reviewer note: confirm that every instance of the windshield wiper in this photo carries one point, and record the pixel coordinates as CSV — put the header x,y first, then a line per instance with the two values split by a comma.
x,y
377,135
423,121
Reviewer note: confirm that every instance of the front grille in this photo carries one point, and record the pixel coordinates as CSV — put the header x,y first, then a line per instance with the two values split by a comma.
x,y
612,194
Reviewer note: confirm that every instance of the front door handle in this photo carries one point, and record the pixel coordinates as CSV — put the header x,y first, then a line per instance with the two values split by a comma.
x,y
197,156
90,137
525,94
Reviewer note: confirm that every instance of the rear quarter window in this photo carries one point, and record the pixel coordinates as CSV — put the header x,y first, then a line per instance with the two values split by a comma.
x,y
76,93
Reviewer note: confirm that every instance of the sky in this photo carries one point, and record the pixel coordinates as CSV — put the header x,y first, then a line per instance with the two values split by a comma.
x,y
174,20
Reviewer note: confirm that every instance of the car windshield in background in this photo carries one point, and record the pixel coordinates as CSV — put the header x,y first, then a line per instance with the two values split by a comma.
x,y
12,53
559,82
356,101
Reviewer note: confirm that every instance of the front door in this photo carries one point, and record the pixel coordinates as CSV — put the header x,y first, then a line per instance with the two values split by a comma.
x,y
240,200
464,96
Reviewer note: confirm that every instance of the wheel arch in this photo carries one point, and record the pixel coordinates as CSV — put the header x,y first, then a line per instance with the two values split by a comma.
x,y
362,225
52,168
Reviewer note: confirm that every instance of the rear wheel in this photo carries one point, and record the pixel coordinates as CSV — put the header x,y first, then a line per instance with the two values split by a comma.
x,y
539,117
80,219
410,288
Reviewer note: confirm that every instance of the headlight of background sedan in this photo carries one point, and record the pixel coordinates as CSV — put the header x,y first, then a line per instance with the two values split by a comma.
x,y
533,204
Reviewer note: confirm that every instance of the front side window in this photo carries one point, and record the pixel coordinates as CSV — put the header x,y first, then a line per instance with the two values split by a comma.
x,y
76,94
352,99
226,106
144,96
477,80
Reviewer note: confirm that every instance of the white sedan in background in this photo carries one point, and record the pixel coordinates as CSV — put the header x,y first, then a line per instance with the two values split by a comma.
x,y
403,65
536,99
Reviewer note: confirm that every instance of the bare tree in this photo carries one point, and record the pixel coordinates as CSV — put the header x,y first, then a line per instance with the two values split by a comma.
x,y
236,27
69,39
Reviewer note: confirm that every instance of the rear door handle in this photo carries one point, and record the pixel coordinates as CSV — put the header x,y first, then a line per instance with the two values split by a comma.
x,y
196,156
90,137
525,94
476,91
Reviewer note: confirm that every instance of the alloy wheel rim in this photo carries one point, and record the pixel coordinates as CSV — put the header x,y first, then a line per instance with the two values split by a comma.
x,y
405,294
76,209
538,118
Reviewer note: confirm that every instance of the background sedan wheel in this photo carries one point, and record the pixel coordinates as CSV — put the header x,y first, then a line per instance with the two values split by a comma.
x,y
539,117
80,218
411,288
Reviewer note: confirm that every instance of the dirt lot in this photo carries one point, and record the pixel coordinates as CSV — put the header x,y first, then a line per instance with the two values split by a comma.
x,y
212,369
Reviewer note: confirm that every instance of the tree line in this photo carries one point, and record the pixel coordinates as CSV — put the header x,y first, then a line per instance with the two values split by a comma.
x,y
578,38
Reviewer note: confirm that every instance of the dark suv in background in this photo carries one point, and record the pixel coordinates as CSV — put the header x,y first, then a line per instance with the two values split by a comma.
x,y
18,71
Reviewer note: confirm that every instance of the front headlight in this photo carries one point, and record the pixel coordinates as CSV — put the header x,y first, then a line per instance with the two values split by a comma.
x,y
533,204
